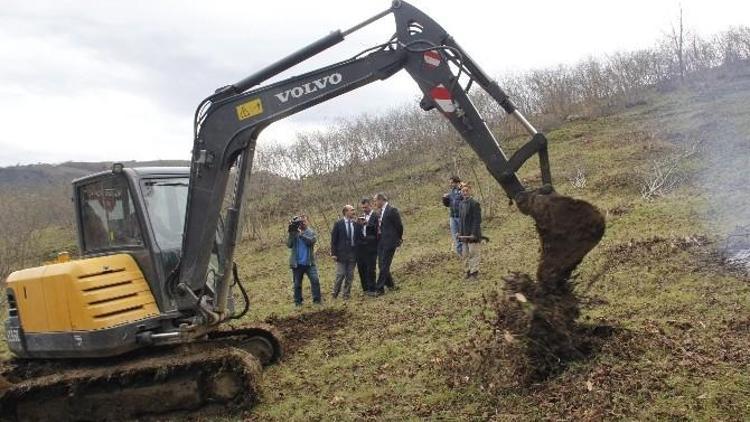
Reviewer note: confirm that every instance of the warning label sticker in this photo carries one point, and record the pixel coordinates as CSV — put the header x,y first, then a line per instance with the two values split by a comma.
x,y
249,109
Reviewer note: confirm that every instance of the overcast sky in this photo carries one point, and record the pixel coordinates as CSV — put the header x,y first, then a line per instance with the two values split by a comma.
x,y
106,80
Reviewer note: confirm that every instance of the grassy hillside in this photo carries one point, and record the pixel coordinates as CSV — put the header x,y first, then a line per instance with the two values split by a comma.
x,y
680,347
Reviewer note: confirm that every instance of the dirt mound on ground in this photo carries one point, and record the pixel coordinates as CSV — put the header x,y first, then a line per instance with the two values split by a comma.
x,y
531,332
300,329
528,336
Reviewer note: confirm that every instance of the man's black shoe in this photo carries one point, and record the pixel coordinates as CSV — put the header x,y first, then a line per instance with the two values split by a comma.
x,y
375,293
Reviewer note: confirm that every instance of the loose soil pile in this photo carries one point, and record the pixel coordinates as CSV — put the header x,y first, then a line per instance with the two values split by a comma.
x,y
300,329
532,331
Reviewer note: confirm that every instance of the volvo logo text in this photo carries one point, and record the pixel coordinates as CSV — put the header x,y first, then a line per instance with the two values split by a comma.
x,y
310,87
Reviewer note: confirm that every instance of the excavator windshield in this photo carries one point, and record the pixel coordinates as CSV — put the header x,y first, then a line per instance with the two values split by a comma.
x,y
166,200
109,219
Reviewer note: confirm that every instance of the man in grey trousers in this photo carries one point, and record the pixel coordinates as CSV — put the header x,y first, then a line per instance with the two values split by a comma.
x,y
344,236
470,231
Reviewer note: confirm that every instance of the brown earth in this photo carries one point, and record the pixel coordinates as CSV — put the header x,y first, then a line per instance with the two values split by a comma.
x,y
298,330
568,229
533,332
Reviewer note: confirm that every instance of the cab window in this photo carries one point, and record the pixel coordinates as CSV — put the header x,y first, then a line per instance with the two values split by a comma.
x,y
108,215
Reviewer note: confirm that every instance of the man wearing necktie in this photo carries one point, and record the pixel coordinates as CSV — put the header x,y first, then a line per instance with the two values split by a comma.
x,y
367,247
390,237
344,237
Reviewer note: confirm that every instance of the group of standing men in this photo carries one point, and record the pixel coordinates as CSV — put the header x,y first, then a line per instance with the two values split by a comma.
x,y
368,241
466,224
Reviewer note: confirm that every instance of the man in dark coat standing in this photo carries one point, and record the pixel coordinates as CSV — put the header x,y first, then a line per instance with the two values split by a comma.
x,y
452,200
367,246
391,232
344,237
470,231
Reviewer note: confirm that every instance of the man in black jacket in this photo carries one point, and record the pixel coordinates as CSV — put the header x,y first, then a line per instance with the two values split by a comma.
x,y
391,232
452,200
470,231
344,237
367,247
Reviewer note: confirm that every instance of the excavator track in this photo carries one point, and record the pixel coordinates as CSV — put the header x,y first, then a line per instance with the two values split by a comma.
x,y
222,370
263,341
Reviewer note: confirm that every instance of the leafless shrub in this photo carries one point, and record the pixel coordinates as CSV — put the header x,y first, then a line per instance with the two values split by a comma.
x,y
664,175
578,179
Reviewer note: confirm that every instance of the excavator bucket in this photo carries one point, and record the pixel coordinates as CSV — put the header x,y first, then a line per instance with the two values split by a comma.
x,y
221,371
568,228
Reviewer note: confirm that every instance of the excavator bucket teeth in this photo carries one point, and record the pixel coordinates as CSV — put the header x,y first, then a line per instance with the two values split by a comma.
x,y
217,373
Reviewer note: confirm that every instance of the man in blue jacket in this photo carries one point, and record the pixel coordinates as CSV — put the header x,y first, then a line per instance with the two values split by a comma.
x,y
452,200
301,241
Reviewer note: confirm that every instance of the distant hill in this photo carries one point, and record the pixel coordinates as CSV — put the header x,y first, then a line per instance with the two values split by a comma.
x,y
32,175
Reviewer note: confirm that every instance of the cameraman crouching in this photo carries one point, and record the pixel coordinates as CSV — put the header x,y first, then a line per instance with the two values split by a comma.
x,y
301,241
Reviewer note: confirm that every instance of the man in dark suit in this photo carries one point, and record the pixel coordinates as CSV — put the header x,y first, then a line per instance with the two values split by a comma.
x,y
344,237
470,231
391,232
367,246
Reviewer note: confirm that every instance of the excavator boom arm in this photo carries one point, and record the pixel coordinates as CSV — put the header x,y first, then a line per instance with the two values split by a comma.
x,y
229,122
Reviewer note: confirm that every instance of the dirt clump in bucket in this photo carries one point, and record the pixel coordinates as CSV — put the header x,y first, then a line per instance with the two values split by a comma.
x,y
568,229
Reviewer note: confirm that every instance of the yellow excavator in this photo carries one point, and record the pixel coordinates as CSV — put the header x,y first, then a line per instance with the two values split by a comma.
x,y
139,324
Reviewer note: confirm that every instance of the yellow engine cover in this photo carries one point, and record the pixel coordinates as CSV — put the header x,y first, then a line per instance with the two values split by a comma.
x,y
82,295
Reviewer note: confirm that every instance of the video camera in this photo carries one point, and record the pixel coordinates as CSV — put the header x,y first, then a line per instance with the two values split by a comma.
x,y
295,223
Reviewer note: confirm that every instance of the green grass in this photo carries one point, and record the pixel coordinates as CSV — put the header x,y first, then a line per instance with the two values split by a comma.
x,y
386,357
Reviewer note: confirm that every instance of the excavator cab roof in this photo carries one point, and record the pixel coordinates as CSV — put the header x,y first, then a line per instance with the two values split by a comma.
x,y
138,172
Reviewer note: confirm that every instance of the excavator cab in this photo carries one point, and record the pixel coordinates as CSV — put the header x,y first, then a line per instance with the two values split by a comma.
x,y
99,305
117,296
139,211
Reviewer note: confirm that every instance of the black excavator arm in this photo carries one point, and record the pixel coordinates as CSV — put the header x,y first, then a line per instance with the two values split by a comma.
x,y
227,125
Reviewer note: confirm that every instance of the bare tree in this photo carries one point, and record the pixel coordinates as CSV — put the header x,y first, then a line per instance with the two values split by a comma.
x,y
678,40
